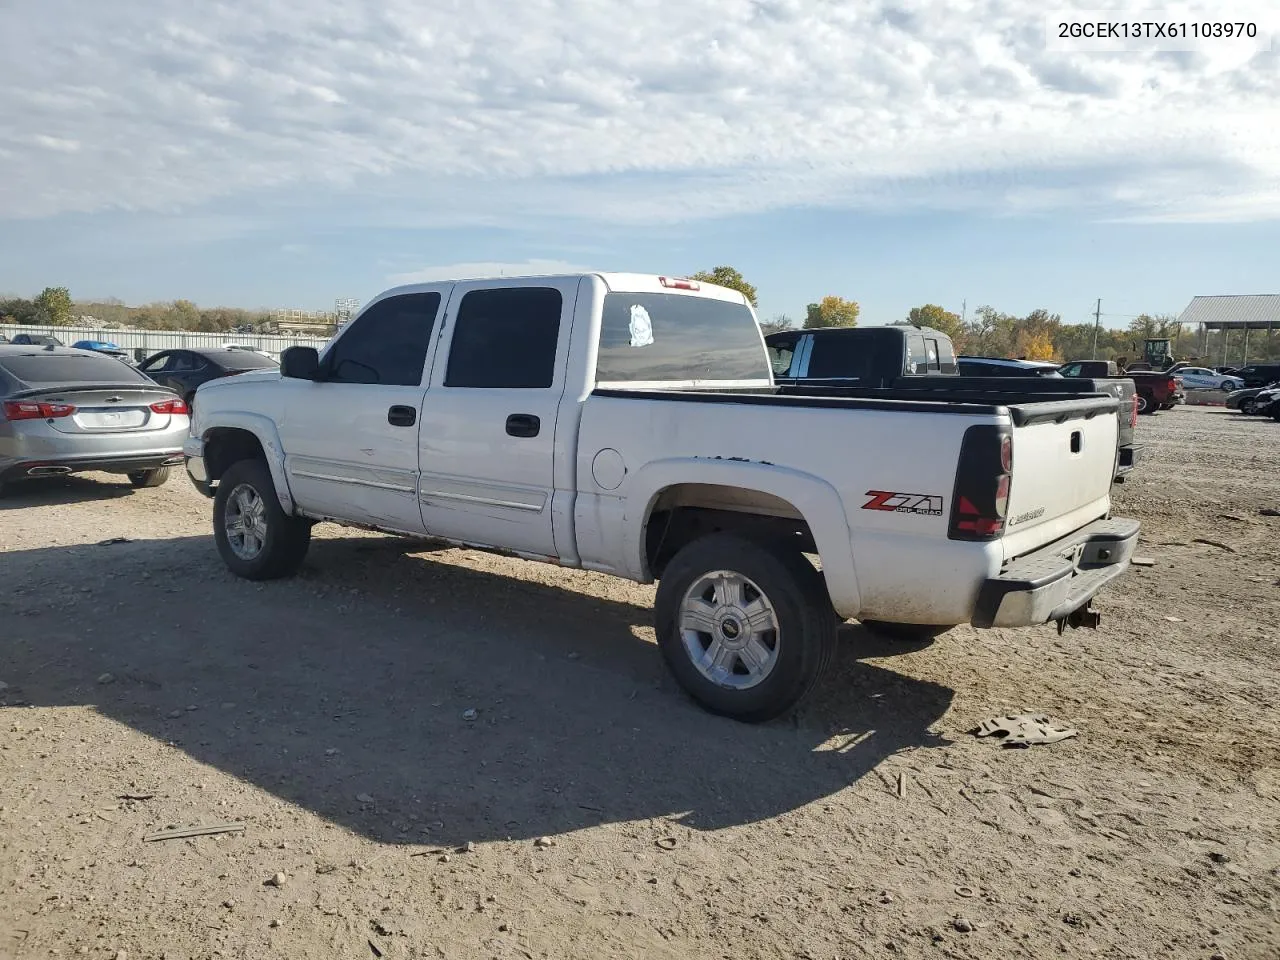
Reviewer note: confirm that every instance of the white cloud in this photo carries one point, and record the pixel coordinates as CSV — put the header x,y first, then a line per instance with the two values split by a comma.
x,y
482,270
489,110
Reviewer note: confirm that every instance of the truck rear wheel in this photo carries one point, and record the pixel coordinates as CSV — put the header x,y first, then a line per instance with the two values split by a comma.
x,y
1145,404
256,538
748,630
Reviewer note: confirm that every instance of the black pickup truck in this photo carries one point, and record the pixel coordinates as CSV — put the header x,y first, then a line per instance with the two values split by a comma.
x,y
907,362
1157,389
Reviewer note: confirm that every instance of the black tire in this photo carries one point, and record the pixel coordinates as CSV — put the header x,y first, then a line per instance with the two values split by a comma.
x,y
804,640
1145,404
915,633
284,539
149,478
1249,406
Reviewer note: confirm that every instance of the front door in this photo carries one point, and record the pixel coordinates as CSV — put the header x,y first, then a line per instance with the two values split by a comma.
x,y
351,438
487,444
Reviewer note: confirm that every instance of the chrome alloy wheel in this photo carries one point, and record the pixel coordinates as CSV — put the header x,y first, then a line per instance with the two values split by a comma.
x,y
730,630
246,522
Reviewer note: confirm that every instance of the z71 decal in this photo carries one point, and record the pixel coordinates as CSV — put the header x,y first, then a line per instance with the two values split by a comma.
x,y
920,503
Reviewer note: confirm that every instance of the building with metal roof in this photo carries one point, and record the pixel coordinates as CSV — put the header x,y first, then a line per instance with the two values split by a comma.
x,y
1244,312
1252,311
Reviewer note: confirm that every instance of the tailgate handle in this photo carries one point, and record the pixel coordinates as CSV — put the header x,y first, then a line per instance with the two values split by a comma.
x,y
1077,441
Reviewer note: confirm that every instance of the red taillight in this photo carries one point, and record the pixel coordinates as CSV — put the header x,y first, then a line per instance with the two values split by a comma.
x,y
679,283
983,478
171,406
1133,412
34,410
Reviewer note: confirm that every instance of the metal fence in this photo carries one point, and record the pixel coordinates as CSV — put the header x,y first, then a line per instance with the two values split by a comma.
x,y
143,343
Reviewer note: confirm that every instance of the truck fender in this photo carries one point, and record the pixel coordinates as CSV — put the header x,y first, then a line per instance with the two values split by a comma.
x,y
264,429
817,501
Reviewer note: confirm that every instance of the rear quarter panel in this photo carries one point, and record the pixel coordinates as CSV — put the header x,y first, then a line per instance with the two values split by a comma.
x,y
881,529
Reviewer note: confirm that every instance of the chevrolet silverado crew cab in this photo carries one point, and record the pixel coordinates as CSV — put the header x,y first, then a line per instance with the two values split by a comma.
x,y
630,424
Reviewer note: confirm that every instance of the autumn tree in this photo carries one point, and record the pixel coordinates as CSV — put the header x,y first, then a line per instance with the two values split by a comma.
x,y
728,277
932,315
1031,344
831,312
53,306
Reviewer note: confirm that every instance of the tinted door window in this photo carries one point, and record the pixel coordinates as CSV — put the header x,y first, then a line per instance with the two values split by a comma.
x,y
156,363
931,355
183,362
781,354
919,357
386,344
1072,370
946,357
505,338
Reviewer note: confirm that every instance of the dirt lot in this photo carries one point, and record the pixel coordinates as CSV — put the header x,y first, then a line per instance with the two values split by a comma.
x,y
326,716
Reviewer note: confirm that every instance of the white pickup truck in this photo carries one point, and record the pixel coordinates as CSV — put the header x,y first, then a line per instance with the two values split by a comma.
x,y
629,424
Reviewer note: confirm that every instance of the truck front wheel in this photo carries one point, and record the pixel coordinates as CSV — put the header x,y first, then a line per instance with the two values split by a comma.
x,y
256,538
748,630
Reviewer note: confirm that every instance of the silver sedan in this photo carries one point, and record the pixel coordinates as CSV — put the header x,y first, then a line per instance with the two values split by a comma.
x,y
64,410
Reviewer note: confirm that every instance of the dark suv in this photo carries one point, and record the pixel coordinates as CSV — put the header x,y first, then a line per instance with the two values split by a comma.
x,y
1258,374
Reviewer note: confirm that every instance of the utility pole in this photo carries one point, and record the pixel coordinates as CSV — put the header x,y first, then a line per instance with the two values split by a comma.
x,y
964,310
1097,322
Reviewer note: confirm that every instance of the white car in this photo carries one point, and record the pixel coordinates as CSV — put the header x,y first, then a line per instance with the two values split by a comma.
x,y
629,424
1202,378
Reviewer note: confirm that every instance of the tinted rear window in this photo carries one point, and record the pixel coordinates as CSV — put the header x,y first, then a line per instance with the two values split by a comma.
x,y
839,355
669,337
90,368
243,360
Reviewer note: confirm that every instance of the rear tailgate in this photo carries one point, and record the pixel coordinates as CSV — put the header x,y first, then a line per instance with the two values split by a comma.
x,y
1064,458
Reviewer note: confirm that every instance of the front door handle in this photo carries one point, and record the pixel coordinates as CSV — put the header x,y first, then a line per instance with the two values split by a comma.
x,y
523,425
401,416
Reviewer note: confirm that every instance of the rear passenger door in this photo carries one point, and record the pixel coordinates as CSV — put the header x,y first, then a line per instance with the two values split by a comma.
x,y
487,443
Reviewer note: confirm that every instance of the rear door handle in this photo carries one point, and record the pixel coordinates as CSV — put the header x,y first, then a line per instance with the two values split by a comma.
x,y
401,416
523,425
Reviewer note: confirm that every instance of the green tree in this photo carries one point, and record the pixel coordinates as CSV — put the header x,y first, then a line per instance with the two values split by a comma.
x,y
17,310
831,312
53,306
776,324
940,318
728,277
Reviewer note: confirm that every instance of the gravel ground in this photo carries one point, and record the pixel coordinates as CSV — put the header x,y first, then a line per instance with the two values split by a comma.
x,y
586,809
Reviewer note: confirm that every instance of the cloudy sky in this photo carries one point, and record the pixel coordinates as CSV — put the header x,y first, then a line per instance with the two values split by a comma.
x,y
287,152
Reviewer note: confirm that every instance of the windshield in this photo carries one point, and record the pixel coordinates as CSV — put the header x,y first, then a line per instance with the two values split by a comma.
x,y
61,368
671,339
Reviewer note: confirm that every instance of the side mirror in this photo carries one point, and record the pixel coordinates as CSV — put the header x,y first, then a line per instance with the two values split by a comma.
x,y
300,363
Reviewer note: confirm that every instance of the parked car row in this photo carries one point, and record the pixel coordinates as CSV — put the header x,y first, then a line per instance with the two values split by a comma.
x,y
1256,400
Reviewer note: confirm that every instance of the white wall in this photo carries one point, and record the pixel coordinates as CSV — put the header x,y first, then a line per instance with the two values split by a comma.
x,y
151,341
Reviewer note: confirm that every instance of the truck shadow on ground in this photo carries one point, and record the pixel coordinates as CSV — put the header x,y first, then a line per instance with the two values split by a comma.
x,y
355,681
